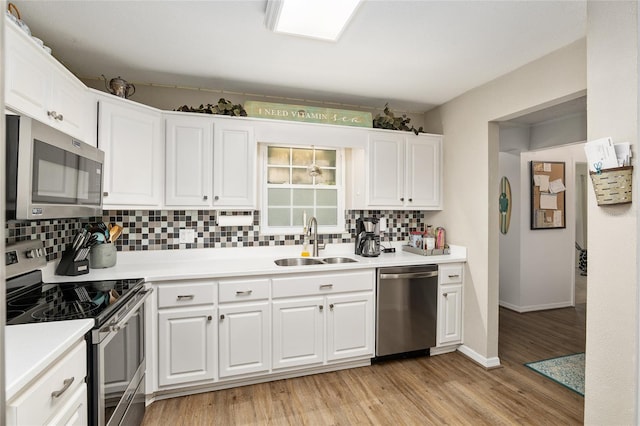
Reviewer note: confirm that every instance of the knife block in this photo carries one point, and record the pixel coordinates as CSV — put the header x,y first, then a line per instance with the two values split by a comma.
x,y
68,267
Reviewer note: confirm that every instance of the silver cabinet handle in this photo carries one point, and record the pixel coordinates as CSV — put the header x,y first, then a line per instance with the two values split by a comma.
x,y
209,318
321,308
454,276
221,317
185,297
205,197
66,383
244,293
105,194
446,294
331,306
216,198
326,286
60,117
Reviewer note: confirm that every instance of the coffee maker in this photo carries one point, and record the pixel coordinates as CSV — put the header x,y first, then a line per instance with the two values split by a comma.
x,y
368,237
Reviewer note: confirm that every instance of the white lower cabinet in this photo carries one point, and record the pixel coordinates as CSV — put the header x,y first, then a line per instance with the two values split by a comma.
x,y
349,328
219,332
244,339
298,332
450,305
187,338
59,396
338,311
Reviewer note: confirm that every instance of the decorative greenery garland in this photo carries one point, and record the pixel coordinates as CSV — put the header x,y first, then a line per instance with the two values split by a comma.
x,y
391,122
223,107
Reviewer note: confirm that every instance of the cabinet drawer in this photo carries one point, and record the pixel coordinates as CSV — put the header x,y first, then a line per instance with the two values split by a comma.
x,y
186,294
450,274
50,392
309,284
243,290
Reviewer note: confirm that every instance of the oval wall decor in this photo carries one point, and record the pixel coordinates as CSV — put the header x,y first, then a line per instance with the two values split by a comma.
x,y
505,204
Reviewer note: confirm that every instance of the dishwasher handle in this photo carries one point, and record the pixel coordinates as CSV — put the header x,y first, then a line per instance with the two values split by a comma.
x,y
428,274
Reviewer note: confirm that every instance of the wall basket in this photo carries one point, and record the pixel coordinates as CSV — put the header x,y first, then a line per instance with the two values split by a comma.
x,y
612,186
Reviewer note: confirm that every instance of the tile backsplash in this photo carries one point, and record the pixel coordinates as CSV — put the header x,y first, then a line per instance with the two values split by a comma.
x,y
160,229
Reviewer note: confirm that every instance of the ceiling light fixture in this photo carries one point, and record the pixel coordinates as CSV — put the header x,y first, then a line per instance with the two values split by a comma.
x,y
321,19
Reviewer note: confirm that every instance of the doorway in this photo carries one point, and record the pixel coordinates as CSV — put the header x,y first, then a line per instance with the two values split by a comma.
x,y
581,266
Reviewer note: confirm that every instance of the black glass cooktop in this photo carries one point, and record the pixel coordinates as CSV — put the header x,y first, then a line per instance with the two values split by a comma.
x,y
41,302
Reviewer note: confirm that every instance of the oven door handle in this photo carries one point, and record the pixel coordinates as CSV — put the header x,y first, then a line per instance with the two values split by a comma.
x,y
115,327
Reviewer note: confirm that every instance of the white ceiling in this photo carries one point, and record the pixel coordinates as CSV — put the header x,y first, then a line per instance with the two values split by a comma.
x,y
412,54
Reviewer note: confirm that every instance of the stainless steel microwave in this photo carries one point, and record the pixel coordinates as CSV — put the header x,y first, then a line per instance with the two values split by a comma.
x,y
49,173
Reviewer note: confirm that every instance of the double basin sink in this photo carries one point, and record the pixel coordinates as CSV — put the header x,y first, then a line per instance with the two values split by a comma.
x,y
299,261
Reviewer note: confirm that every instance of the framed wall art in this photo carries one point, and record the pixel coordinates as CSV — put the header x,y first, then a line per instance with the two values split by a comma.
x,y
547,195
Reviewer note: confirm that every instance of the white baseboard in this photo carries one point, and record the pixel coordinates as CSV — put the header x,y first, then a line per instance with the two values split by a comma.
x,y
493,362
531,308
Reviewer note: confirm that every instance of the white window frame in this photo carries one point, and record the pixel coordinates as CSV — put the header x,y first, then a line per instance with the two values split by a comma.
x,y
339,228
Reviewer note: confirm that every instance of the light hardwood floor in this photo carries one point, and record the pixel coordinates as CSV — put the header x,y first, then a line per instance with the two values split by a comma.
x,y
445,389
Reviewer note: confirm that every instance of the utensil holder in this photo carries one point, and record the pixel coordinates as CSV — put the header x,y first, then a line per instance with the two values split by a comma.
x,y
103,256
613,186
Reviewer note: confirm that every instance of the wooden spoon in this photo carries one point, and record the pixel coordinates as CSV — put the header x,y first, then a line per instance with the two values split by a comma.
x,y
114,233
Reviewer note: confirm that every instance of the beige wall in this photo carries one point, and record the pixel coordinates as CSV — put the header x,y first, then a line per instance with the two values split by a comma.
x,y
612,296
171,97
471,180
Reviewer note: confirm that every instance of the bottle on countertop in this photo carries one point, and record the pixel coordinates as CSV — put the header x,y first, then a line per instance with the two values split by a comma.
x,y
440,238
429,239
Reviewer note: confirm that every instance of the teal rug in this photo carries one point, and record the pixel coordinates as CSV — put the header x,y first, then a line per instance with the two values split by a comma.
x,y
567,370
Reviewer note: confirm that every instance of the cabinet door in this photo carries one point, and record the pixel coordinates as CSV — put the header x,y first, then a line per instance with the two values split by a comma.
x,y
74,412
234,165
350,324
450,314
244,339
298,332
423,172
189,145
28,75
71,100
186,348
386,170
131,138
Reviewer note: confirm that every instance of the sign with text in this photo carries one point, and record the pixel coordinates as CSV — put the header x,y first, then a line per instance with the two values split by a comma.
x,y
308,114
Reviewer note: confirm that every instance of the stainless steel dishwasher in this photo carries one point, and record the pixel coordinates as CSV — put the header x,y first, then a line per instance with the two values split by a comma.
x,y
406,307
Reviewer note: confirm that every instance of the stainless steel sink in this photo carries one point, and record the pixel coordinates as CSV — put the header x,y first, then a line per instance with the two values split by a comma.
x,y
297,261
338,260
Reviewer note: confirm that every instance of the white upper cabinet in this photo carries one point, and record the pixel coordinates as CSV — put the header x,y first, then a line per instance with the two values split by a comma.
x,y
404,171
189,148
132,139
423,176
234,165
211,162
40,87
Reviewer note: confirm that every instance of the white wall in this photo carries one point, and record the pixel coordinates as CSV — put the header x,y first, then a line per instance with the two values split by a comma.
x,y
547,268
565,129
471,174
611,394
510,242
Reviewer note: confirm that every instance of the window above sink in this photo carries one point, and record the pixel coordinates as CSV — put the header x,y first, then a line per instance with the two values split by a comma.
x,y
299,182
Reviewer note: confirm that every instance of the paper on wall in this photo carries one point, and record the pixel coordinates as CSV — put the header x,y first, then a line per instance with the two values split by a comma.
x,y
546,167
623,153
601,154
557,218
548,201
542,181
556,186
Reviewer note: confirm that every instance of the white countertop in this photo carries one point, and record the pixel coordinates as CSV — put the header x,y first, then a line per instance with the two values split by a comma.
x,y
165,265
30,348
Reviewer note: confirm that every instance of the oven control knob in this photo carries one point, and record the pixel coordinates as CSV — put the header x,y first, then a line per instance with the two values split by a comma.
x,y
32,254
115,328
